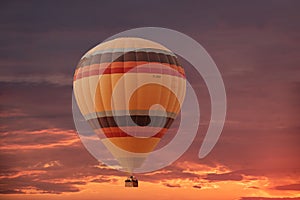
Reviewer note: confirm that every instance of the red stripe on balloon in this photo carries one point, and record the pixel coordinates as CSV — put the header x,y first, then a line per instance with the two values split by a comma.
x,y
127,70
117,132
93,70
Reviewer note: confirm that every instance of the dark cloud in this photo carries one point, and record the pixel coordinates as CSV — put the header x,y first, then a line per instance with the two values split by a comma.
x,y
42,105
11,192
104,180
224,177
23,182
254,187
43,159
49,169
172,173
288,187
197,186
172,185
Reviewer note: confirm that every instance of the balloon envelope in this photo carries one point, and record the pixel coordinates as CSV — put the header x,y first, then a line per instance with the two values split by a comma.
x,y
130,91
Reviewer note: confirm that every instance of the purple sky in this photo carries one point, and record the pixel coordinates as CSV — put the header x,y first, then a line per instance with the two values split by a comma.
x,y
255,44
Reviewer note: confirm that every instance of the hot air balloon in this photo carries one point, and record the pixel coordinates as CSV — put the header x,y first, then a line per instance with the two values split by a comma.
x,y
129,90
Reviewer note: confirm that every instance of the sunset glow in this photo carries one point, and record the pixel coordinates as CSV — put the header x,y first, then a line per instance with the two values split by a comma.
x,y
255,45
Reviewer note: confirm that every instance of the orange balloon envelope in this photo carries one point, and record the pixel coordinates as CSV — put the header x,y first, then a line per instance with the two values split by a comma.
x,y
129,90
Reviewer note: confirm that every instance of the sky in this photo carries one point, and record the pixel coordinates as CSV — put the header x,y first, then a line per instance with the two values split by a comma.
x,y
256,46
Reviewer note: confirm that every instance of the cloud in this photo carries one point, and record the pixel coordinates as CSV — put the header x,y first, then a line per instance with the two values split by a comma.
x,y
288,187
169,173
172,185
224,177
254,187
54,161
53,79
35,106
32,183
104,179
11,192
197,186
14,112
47,161
40,139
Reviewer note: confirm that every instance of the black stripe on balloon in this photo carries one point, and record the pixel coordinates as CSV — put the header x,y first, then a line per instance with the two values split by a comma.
x,y
128,56
139,120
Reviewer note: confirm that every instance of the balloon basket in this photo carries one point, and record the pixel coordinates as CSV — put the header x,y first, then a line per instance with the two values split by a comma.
x,y
131,182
